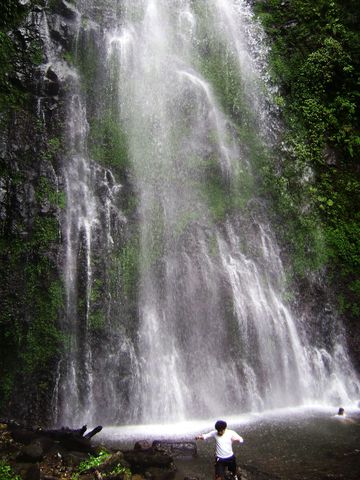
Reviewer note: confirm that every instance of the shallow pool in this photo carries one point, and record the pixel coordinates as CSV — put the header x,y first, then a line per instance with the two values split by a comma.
x,y
307,443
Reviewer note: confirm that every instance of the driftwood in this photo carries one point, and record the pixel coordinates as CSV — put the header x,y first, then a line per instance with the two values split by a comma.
x,y
70,439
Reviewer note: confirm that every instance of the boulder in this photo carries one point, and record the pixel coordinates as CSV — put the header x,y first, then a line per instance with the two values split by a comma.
x,y
153,464
176,448
31,453
142,445
73,459
140,460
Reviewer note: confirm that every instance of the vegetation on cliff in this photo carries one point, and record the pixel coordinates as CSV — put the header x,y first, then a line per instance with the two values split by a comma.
x,y
315,61
30,202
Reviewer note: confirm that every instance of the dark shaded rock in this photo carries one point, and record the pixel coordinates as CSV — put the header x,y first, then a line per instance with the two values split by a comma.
x,y
33,472
141,460
31,453
142,445
51,89
60,30
176,448
46,443
153,464
19,80
156,473
23,436
73,459
51,83
27,471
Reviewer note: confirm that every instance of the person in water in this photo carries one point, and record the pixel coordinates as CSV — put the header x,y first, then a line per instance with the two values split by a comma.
x,y
224,455
341,415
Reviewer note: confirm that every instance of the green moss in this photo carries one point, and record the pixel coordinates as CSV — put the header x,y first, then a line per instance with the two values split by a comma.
x,y
36,53
69,57
96,290
46,192
108,144
97,320
86,58
217,197
184,221
126,265
33,297
46,231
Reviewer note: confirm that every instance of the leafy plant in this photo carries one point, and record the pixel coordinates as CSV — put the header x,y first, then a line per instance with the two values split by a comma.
x,y
120,469
6,472
93,461
97,460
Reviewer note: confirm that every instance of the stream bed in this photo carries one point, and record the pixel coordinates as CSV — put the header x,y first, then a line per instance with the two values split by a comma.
x,y
290,444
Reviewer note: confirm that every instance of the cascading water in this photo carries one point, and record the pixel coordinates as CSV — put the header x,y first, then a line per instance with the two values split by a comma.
x,y
214,335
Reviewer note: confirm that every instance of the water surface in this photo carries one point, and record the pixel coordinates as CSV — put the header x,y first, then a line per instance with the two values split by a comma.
x,y
292,444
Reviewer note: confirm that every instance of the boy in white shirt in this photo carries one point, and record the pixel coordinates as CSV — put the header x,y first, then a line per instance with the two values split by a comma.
x,y
224,453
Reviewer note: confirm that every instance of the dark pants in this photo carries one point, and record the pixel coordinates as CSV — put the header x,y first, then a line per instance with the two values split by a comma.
x,y
222,463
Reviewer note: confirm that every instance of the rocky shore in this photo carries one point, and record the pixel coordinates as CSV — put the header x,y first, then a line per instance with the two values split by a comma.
x,y
37,454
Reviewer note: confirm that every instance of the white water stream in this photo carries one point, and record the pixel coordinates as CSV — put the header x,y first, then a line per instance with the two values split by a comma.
x,y
216,336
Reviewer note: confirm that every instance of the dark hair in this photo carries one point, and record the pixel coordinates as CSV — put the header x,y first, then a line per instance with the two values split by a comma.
x,y
220,425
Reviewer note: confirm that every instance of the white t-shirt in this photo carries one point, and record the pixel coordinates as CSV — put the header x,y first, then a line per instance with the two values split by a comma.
x,y
224,442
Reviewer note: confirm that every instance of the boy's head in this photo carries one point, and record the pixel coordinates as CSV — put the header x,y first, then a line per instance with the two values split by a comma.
x,y
220,426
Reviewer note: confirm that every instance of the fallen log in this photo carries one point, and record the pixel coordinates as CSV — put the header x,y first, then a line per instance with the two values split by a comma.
x,y
73,439
70,439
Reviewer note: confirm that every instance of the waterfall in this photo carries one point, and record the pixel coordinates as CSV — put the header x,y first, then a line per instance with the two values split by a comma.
x,y
212,333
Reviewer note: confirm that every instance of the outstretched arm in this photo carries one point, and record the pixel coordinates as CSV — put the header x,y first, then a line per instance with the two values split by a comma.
x,y
237,439
205,436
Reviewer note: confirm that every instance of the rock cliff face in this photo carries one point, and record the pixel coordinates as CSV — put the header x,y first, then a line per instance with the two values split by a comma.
x,y
45,228
31,204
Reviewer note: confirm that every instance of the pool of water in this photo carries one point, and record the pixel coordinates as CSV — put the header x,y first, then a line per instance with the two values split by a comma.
x,y
309,443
